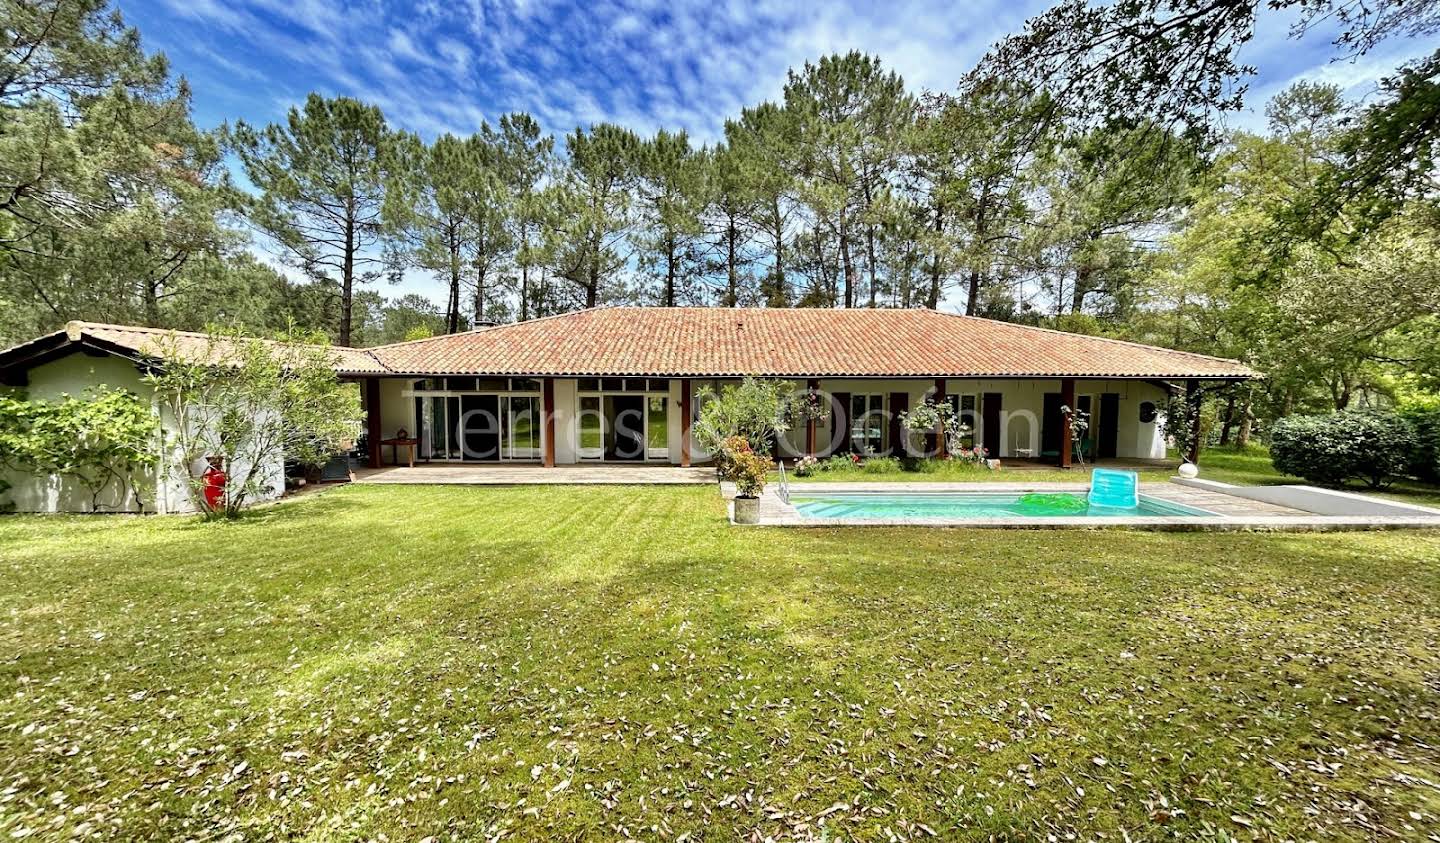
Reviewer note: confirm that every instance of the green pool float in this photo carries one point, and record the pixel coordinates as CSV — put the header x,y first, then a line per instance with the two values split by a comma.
x,y
1055,503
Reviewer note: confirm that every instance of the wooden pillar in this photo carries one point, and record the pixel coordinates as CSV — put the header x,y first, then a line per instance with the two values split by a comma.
x,y
372,421
943,449
1192,406
812,394
547,412
1067,399
685,423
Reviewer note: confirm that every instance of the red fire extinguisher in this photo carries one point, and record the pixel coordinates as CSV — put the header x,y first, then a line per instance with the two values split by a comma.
x,y
213,483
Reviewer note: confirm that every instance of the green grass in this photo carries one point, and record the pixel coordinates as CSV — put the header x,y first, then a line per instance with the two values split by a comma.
x,y
1242,466
606,662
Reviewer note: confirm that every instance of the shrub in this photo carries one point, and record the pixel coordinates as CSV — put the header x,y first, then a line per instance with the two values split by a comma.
x,y
839,462
806,466
755,410
1364,444
743,467
1424,460
880,465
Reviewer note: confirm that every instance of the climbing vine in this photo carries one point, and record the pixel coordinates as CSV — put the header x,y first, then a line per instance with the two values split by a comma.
x,y
106,440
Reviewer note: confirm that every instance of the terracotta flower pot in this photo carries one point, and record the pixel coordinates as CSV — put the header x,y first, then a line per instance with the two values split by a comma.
x,y
747,510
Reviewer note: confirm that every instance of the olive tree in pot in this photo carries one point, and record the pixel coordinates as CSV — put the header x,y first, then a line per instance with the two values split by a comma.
x,y
748,471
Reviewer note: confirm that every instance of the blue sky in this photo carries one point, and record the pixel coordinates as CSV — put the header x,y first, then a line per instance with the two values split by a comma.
x,y
683,64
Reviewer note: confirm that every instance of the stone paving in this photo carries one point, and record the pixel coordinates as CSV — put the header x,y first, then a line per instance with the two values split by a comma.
x,y
500,474
1230,512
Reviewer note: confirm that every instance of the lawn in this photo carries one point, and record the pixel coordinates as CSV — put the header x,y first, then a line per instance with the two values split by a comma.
x,y
1241,466
557,663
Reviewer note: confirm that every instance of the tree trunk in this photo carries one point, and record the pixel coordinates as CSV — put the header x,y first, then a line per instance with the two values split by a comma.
x,y
592,288
1082,287
452,310
524,291
779,296
1228,419
525,273
1247,419
732,280
669,272
972,295
870,253
347,281
479,295
847,264
932,299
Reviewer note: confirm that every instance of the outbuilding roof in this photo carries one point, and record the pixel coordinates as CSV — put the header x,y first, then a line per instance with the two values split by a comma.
x,y
141,342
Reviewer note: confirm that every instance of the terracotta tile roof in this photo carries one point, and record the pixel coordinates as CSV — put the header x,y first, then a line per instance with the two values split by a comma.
x,y
155,342
704,342
721,342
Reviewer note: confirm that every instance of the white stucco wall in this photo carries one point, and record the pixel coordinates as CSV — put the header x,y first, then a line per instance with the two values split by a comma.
x,y
1022,409
160,491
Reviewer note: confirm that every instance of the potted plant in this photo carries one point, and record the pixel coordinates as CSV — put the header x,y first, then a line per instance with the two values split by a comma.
x,y
748,471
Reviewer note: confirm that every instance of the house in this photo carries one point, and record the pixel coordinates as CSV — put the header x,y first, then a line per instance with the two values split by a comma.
x,y
625,383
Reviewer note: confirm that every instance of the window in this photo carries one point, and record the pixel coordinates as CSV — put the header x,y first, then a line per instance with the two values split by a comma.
x,y
612,384
460,384
524,385
867,423
589,384
657,427
522,427
658,385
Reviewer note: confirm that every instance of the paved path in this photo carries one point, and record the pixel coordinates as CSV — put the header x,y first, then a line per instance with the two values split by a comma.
x,y
493,474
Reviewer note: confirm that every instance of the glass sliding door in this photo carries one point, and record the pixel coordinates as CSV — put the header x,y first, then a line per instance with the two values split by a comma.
x,y
591,426
867,423
522,428
477,428
657,428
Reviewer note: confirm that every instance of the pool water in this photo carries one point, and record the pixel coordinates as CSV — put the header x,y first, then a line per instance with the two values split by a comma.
x,y
976,505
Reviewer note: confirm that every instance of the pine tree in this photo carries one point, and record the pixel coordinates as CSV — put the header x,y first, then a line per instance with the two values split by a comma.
x,y
323,177
672,190
592,212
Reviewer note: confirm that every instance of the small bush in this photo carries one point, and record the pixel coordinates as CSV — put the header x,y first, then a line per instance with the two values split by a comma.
x,y
1425,456
806,466
1372,446
838,462
880,465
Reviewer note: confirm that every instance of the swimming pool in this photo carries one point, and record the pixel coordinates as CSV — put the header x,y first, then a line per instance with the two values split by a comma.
x,y
962,505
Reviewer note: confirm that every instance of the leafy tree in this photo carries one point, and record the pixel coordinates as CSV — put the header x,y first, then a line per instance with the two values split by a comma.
x,y
438,214
254,404
972,166
1175,62
323,177
1106,191
728,217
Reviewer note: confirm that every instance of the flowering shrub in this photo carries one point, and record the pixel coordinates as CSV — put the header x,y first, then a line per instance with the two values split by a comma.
x,y
930,417
806,466
743,467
